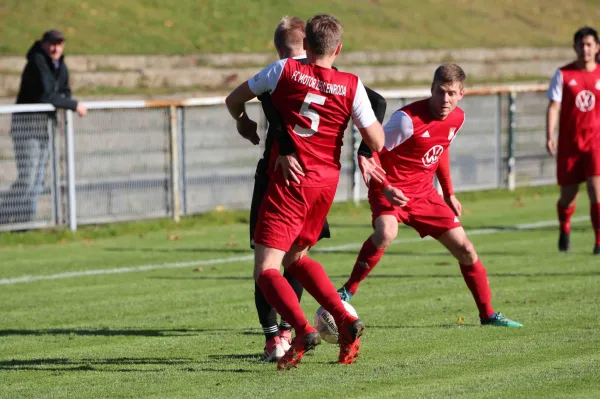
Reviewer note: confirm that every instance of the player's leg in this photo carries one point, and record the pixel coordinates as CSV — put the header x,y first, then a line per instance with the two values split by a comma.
x,y
282,297
475,276
569,174
593,186
313,277
267,316
592,174
386,230
565,208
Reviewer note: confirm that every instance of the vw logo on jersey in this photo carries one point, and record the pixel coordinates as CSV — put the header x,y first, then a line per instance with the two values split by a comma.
x,y
432,155
585,101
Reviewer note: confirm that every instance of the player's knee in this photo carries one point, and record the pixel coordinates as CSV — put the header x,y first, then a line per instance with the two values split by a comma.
x,y
385,234
466,252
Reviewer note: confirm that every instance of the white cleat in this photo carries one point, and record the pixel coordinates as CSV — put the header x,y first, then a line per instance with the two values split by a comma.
x,y
273,350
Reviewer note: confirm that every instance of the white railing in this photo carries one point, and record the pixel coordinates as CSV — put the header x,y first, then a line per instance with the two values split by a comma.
x,y
138,159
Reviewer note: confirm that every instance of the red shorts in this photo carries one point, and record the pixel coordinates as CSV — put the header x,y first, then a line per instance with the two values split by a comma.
x,y
429,216
574,167
292,215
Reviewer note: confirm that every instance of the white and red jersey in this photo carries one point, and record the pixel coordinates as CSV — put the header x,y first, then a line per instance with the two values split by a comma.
x,y
316,104
578,92
414,143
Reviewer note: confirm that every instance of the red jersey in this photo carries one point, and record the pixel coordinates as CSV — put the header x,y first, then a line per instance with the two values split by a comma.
x,y
414,143
316,104
578,91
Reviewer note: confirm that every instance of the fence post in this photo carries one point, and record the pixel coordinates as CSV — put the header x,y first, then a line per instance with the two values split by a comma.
x,y
54,167
512,124
182,167
498,132
356,177
174,147
72,199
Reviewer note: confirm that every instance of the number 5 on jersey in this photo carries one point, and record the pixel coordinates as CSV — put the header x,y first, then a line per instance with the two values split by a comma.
x,y
311,114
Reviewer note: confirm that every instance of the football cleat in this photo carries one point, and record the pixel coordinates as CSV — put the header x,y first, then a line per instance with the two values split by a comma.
x,y
349,340
564,242
300,345
345,295
273,350
499,320
285,338
597,249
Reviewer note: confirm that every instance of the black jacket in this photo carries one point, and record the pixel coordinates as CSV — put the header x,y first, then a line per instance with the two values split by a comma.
x,y
43,82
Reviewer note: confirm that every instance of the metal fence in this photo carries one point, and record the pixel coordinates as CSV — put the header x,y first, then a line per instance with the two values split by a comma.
x,y
136,159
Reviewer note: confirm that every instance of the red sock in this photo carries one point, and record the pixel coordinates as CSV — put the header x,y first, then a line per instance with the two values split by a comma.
x,y
280,294
476,278
368,257
595,213
564,217
315,281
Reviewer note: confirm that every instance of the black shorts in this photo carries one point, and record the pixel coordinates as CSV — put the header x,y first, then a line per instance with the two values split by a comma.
x,y
261,182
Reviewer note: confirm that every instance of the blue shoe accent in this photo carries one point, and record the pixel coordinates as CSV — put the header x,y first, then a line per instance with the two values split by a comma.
x,y
499,320
345,295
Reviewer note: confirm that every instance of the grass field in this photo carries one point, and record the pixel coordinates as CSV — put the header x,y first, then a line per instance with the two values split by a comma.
x,y
188,328
191,26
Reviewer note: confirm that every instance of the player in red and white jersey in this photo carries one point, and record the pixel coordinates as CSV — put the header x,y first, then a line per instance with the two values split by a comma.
x,y
575,93
417,138
316,102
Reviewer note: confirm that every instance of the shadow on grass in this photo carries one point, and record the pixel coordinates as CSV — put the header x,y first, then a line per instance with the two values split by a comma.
x,y
128,332
89,364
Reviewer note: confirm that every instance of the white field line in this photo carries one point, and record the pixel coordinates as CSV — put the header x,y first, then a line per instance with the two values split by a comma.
x,y
206,262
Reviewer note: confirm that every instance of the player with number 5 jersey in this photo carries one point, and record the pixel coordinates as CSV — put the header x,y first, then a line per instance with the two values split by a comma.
x,y
316,103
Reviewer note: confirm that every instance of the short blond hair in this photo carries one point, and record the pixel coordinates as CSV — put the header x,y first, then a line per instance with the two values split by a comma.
x,y
324,34
289,34
449,73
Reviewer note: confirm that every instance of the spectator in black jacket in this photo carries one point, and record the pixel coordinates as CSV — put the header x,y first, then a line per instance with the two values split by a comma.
x,y
45,79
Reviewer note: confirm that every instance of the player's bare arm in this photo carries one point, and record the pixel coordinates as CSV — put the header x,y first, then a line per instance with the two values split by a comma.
x,y
370,170
445,180
236,105
551,118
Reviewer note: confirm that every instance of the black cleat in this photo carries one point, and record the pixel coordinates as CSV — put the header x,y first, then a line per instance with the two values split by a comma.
x,y
564,242
597,249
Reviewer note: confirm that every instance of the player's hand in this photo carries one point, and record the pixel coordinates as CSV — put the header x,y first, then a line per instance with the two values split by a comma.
x,y
454,204
551,147
81,109
291,168
395,196
246,127
370,170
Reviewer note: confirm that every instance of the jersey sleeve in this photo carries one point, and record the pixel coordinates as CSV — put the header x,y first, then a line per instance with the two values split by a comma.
x,y
556,87
266,80
362,113
398,129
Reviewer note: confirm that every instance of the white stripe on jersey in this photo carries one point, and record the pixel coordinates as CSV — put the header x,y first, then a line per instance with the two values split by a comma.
x,y
555,90
266,80
398,129
362,112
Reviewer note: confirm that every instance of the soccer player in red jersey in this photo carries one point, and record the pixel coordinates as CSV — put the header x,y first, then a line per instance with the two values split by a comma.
x,y
316,103
417,138
575,93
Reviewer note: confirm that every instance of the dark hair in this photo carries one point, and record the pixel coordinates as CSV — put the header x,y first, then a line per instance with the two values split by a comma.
x,y
586,31
449,73
323,34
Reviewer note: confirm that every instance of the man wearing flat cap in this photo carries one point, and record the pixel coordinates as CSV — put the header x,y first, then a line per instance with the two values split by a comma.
x,y
45,79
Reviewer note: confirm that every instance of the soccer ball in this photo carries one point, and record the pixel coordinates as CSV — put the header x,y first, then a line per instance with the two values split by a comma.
x,y
325,324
